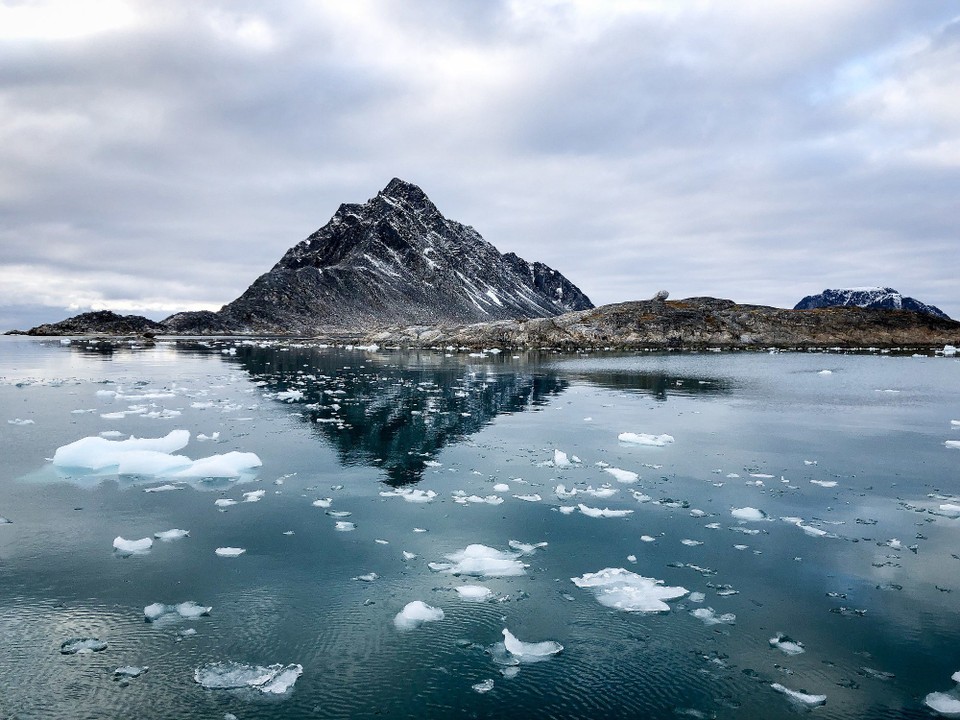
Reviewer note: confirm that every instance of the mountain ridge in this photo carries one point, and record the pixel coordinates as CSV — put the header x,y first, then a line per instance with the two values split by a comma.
x,y
868,297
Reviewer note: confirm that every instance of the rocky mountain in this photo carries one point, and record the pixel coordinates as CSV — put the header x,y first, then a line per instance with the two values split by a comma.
x,y
102,322
691,324
393,259
868,297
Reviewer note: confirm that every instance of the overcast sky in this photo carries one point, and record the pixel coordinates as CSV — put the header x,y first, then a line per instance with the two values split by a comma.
x,y
159,156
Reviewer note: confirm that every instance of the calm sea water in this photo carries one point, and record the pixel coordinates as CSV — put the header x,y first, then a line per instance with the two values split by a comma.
x,y
853,557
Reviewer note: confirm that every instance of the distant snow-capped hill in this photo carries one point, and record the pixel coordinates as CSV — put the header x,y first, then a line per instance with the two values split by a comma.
x,y
868,297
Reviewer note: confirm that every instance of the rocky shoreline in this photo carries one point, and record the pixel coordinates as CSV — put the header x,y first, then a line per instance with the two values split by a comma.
x,y
690,324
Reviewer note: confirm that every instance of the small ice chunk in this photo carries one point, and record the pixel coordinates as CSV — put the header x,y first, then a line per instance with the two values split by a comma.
x,y
824,483
224,502
601,492
560,459
647,539
339,513
623,476
483,687
561,492
409,555
710,617
323,503
525,548
697,597
130,671
501,487
955,444
535,497
369,577
951,510
632,558
474,593
530,652
344,526
415,614
825,372
786,644
273,679
18,421
82,646
628,438
254,496
623,590
163,488
204,438
603,513
174,534
567,509
691,543
412,495
230,552
132,547
748,514
483,561
419,530
800,698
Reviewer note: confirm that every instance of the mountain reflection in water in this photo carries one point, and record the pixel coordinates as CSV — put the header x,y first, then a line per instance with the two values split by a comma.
x,y
395,411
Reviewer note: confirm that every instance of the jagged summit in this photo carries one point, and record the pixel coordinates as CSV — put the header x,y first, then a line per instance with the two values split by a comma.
x,y
868,297
394,259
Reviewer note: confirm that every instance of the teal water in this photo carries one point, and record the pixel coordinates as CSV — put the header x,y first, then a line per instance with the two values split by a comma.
x,y
871,589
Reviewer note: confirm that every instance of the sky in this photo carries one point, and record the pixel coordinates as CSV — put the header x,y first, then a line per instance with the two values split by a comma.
x,y
158,157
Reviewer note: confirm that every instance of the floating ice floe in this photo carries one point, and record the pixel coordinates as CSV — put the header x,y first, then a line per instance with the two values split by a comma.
x,y
622,476
132,547
344,526
483,687
526,548
174,534
18,421
567,509
474,593
561,492
273,679
946,703
409,555
824,483
603,513
323,503
151,457
601,492
560,459
481,561
710,617
130,671
955,444
163,488
624,590
786,645
224,502
950,510
189,610
629,438
527,651
691,543
800,698
535,497
462,498
501,487
369,577
748,514
229,552
415,614
289,395
412,495
254,496
82,646
204,438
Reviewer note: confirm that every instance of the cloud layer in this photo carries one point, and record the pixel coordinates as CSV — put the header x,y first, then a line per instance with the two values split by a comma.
x,y
157,157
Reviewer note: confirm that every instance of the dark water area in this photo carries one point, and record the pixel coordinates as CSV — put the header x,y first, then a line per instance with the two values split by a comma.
x,y
805,494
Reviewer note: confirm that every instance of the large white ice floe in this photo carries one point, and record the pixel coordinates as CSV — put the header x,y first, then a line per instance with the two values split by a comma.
x,y
132,547
628,438
530,651
151,457
272,679
229,552
415,613
481,561
411,495
800,698
603,513
624,590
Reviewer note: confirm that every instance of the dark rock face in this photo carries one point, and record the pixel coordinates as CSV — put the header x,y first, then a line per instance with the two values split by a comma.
x,y
394,259
886,298
102,322
693,323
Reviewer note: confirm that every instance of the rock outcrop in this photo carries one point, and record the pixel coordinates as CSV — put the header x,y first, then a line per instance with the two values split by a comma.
x,y
868,297
693,323
102,322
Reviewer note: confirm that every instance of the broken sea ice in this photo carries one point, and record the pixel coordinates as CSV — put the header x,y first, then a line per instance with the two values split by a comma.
x,y
82,646
629,438
624,590
273,679
415,613
132,547
527,651
482,561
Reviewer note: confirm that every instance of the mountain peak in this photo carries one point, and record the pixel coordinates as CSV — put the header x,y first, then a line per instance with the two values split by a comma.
x,y
402,191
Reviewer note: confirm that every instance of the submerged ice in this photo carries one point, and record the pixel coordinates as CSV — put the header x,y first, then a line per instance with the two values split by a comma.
x,y
272,679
